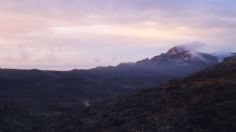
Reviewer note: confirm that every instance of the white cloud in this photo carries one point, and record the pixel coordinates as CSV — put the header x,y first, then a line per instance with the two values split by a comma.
x,y
78,33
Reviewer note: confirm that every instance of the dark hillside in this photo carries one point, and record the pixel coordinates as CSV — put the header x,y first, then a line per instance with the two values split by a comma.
x,y
16,119
204,102
62,91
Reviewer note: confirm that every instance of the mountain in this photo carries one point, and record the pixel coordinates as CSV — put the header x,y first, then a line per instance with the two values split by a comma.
x,y
202,102
56,92
181,61
176,62
183,55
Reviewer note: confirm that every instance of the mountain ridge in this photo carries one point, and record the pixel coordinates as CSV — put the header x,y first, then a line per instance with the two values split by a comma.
x,y
55,91
197,103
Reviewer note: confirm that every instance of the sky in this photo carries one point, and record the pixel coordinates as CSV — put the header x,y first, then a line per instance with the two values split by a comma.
x,y
82,34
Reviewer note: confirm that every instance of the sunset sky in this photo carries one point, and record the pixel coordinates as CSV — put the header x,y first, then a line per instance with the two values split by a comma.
x,y
68,34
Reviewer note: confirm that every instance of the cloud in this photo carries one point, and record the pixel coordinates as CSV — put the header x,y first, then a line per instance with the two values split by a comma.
x,y
194,46
87,33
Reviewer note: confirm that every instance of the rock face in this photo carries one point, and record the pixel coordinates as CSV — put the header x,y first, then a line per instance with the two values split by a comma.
x,y
203,102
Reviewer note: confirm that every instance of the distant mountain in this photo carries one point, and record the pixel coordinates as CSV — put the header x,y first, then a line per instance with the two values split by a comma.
x,y
176,62
179,60
203,102
54,91
182,55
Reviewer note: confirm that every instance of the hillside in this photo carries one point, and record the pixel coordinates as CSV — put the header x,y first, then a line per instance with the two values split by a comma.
x,y
203,102
15,119
57,91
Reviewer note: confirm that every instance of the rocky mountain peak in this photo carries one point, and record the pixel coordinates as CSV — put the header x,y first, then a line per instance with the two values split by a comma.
x,y
177,50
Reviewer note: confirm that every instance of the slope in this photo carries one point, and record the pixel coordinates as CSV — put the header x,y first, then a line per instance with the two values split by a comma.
x,y
55,91
15,119
203,102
